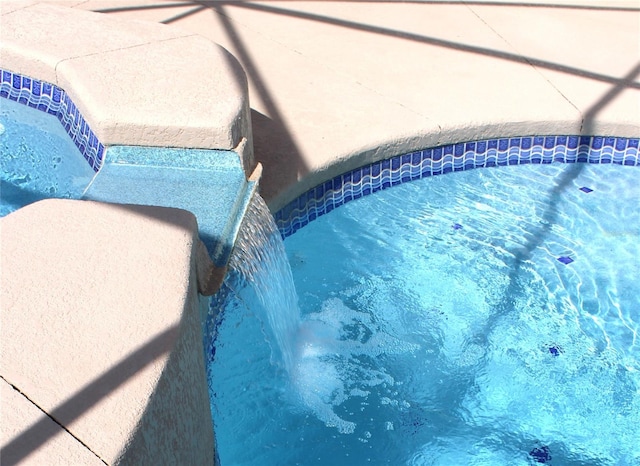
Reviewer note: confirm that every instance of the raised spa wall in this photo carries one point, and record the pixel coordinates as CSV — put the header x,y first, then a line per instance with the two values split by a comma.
x,y
102,302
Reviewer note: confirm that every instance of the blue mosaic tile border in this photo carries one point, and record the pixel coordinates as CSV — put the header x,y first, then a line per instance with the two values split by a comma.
x,y
450,158
50,99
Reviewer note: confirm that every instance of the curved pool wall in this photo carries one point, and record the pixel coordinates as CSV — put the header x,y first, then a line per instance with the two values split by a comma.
x,y
453,158
102,302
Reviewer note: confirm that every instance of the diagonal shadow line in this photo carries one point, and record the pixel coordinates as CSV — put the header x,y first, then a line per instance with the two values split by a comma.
x,y
271,132
422,2
38,434
423,39
186,14
155,6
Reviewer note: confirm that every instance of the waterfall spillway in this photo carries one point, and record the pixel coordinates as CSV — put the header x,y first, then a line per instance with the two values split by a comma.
x,y
260,261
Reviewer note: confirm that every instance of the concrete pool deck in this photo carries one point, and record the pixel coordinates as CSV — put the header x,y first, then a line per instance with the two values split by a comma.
x,y
334,85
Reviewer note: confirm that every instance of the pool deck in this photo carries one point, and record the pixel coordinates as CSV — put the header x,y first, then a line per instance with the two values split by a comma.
x,y
332,86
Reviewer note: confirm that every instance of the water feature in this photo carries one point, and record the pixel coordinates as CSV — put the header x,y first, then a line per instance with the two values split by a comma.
x,y
483,317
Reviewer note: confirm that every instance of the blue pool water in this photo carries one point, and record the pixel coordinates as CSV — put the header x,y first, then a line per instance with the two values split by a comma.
x,y
38,160
485,317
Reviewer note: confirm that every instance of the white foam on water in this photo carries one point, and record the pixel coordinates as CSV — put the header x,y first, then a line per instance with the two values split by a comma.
x,y
328,369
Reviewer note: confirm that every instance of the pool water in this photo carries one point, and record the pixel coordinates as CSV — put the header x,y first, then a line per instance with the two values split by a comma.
x,y
484,317
38,160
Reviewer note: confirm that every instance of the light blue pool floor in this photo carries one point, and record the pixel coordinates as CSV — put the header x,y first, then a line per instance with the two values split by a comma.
x,y
441,323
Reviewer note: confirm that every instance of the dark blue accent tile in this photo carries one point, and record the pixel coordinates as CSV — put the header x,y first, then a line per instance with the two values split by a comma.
x,y
566,260
36,87
456,226
585,140
541,454
585,189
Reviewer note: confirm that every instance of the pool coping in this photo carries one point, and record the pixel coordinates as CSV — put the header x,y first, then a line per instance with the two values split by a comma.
x,y
119,114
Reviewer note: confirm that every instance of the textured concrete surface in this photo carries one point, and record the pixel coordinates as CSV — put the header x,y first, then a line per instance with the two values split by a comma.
x,y
19,414
101,329
120,73
335,84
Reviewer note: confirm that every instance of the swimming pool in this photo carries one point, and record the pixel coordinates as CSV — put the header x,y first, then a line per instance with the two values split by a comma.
x,y
29,172
484,317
